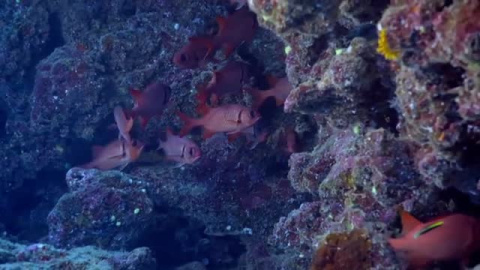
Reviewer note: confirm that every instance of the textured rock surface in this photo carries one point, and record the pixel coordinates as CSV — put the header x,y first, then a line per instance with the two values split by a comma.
x,y
438,87
43,256
111,212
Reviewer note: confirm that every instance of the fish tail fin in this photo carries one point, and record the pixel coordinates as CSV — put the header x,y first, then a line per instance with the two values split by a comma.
x,y
202,97
228,49
258,97
189,124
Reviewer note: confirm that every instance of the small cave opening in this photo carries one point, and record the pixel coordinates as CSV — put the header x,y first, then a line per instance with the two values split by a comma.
x,y
55,38
77,151
379,101
446,4
26,208
318,48
444,74
465,177
187,243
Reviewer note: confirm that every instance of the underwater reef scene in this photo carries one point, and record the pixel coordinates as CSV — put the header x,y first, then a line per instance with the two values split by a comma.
x,y
249,135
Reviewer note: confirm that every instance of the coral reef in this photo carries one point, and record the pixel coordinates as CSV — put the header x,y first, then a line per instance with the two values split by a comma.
x,y
383,114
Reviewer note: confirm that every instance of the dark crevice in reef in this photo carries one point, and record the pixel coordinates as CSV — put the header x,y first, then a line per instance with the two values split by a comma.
x,y
381,112
445,74
78,151
446,4
26,208
318,47
3,118
55,40
177,240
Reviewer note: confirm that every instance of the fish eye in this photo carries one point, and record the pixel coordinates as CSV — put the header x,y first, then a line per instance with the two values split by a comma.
x,y
252,114
183,57
191,151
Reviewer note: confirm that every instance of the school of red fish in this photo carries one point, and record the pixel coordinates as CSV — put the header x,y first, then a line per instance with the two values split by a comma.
x,y
234,120
454,237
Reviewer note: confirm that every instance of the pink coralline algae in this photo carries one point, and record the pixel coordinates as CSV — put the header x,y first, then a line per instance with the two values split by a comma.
x,y
438,86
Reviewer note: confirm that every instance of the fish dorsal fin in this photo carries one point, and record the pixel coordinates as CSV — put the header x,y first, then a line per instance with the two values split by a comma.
x,y
408,222
202,40
96,150
203,108
144,121
222,21
136,94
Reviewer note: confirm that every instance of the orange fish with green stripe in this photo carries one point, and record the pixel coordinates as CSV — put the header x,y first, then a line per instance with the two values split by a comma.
x,y
453,237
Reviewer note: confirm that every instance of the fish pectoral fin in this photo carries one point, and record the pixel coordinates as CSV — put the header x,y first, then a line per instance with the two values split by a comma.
x,y
234,132
179,165
123,166
117,156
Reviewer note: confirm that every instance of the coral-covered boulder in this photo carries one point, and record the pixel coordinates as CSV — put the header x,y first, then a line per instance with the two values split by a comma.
x,y
108,210
360,178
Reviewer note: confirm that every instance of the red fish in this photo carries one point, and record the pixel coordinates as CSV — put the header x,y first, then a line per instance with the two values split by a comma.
x,y
180,149
454,237
280,89
117,154
234,30
150,102
227,118
229,80
195,54
124,124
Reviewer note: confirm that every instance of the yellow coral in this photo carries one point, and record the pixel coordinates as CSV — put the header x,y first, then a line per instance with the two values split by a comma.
x,y
384,48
